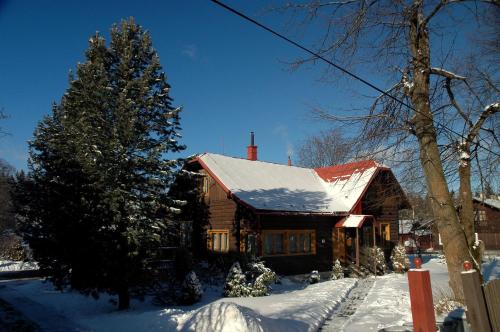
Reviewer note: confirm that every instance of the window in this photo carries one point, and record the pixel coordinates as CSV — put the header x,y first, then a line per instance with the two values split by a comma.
x,y
289,242
218,240
480,218
385,234
206,184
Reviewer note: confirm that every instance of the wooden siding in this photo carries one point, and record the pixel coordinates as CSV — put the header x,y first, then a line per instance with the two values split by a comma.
x,y
383,200
489,230
322,225
222,211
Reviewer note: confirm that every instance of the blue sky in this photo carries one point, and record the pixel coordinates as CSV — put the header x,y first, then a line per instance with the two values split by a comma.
x,y
229,76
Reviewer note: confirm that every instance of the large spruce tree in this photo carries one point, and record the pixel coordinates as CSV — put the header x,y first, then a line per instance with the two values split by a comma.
x,y
99,168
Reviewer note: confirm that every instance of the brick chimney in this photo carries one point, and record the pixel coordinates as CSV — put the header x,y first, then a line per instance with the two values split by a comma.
x,y
289,161
252,148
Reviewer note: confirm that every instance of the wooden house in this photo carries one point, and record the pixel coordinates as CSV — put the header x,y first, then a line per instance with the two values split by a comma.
x,y
487,221
298,219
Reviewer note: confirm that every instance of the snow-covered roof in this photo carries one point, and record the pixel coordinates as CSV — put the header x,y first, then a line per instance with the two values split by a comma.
x,y
405,226
489,201
275,187
353,220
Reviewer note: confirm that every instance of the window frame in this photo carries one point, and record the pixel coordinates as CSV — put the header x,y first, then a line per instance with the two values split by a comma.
x,y
383,240
219,233
286,233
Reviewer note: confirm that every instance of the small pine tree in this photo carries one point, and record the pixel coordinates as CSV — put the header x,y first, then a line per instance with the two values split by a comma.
x,y
191,289
337,271
400,261
376,259
265,277
236,283
314,277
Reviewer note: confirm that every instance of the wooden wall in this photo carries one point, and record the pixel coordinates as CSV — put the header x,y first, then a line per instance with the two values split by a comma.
x,y
222,211
322,260
489,230
383,200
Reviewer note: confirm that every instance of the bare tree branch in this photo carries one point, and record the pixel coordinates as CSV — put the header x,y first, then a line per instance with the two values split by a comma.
x,y
445,73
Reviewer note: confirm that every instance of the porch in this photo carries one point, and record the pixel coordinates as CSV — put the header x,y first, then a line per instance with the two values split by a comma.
x,y
351,235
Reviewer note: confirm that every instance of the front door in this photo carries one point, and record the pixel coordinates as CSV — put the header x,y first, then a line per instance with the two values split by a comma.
x,y
338,239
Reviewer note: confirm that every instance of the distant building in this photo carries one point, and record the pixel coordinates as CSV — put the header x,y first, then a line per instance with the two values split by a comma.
x,y
487,221
415,235
298,219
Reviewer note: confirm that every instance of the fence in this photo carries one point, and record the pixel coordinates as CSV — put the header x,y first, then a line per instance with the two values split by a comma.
x,y
483,301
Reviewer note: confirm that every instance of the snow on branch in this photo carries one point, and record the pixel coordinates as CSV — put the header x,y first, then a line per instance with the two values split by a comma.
x,y
446,73
488,111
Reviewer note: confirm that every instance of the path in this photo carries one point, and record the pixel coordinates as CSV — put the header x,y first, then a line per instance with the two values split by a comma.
x,y
47,319
347,308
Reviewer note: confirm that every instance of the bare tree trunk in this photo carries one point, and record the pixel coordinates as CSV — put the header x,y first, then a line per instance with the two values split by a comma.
x,y
466,212
452,235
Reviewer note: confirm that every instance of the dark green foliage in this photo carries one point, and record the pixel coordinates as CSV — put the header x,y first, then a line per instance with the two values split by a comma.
x,y
6,212
192,221
191,290
97,206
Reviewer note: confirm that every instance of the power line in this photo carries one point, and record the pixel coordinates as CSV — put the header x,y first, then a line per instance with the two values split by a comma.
x,y
371,85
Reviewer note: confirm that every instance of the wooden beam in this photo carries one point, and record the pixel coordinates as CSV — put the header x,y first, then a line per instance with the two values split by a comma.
x,y
357,246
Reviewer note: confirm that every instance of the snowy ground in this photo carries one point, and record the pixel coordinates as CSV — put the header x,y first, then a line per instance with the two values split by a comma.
x,y
9,266
293,306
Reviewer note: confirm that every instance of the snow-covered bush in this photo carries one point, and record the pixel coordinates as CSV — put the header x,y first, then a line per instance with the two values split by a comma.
x,y
337,271
191,289
314,277
399,259
12,247
447,302
375,259
265,277
236,283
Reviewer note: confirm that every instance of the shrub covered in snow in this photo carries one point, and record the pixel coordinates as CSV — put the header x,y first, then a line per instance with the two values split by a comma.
x,y
236,283
337,271
375,259
314,277
13,248
399,259
265,277
191,289
447,302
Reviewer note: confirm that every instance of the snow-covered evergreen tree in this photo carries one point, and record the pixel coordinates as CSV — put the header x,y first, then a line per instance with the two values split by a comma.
x,y
376,259
191,289
99,170
337,271
264,278
399,259
314,277
236,283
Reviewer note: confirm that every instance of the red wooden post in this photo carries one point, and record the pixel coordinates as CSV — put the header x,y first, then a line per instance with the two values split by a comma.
x,y
422,307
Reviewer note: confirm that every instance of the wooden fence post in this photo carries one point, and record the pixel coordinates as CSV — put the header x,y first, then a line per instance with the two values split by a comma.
x,y
422,307
474,300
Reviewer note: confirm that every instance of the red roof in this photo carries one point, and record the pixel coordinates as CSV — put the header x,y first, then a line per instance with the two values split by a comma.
x,y
346,170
